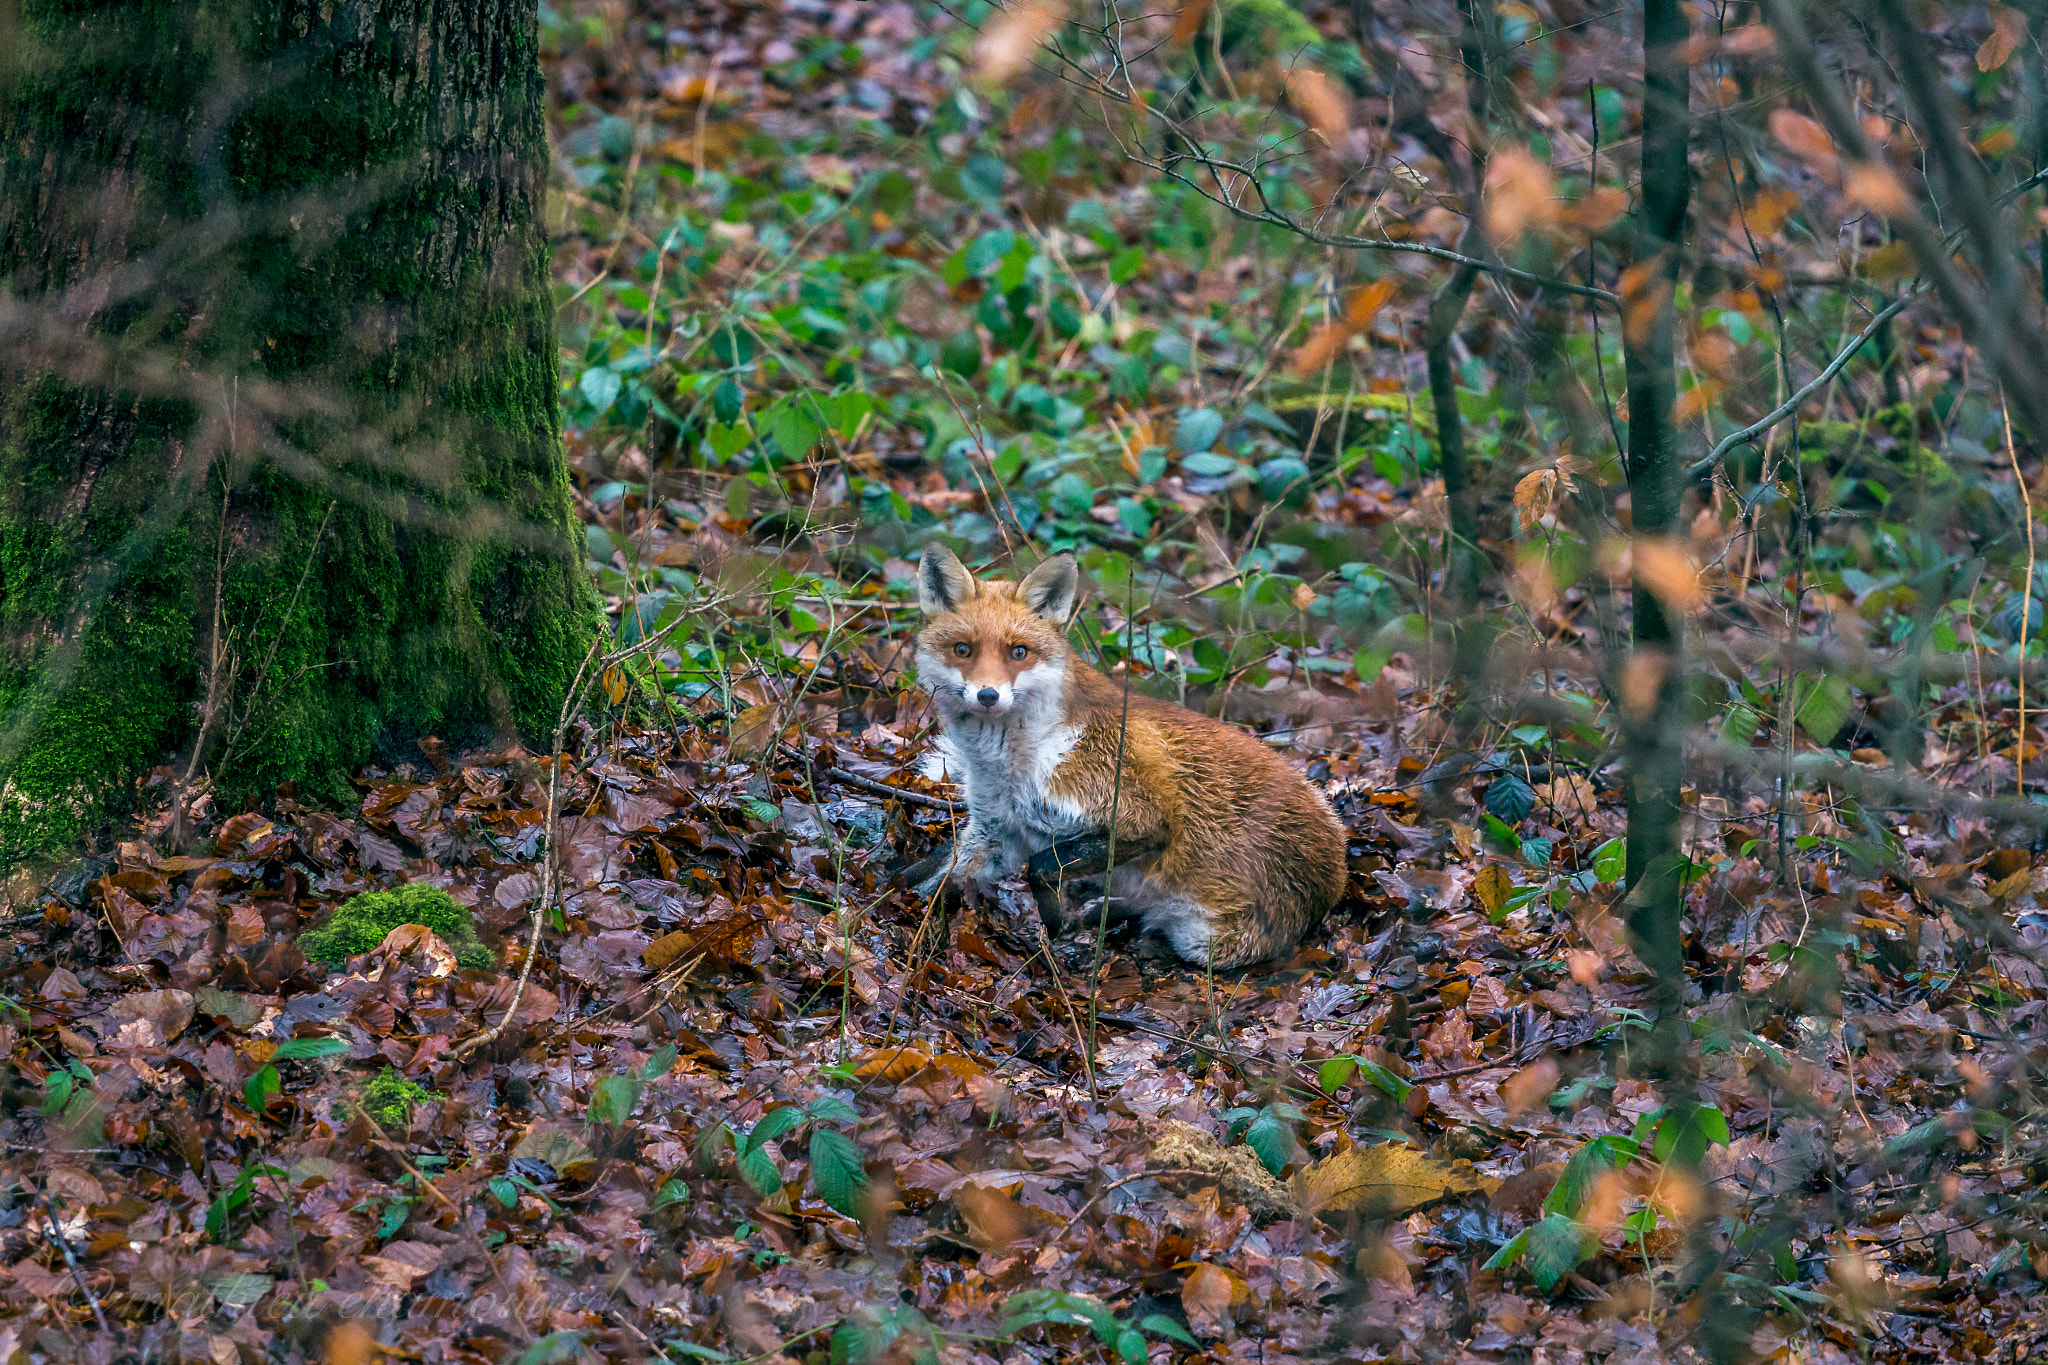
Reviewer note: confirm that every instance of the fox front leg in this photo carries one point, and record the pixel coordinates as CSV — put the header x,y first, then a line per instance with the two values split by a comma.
x,y
1077,859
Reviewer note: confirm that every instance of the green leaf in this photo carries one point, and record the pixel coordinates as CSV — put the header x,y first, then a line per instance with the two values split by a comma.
x,y
1575,1182
773,1125
839,1169
395,1214
658,1063
600,388
303,1049
1686,1131
758,1169
698,1351
874,1333
504,1191
1510,798
57,1087
1510,1252
1160,1325
552,1349
962,353
612,1099
1555,1247
1206,465
239,1291
1272,1140
1198,431
792,429
832,1109
1823,704
1739,726
260,1088
1130,1344
1336,1073
1610,860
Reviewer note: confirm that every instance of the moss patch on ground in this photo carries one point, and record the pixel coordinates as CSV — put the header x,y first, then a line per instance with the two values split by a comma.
x,y
362,922
390,1098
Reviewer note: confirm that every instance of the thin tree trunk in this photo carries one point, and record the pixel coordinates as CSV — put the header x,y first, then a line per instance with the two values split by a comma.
x,y
1652,685
280,474
1461,562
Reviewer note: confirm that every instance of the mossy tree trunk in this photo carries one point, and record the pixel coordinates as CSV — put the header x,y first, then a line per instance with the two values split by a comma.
x,y
1654,698
280,473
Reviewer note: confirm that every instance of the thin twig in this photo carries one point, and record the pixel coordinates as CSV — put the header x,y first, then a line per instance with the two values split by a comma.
x,y
869,785
77,1275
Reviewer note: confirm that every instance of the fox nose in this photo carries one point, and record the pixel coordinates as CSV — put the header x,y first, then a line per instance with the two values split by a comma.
x,y
988,696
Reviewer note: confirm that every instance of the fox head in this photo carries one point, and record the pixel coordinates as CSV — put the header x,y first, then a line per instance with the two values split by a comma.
x,y
990,648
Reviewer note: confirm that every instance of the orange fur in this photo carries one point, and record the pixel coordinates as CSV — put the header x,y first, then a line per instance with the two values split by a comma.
x,y
1239,855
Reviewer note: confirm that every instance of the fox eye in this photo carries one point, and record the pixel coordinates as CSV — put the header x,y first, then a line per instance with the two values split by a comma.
x,y
1020,652
962,650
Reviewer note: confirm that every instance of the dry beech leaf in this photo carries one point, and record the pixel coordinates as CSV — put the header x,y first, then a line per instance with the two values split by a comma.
x,y
1320,103
1877,189
1365,302
1528,1089
1667,570
1806,139
1645,289
1520,194
1749,40
2008,31
1769,210
1188,21
1379,1182
1596,210
1007,44
559,1148
754,728
1322,347
1208,1295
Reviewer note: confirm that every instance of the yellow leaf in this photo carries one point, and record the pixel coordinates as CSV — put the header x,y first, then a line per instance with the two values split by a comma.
x,y
1890,263
893,1064
1378,1182
1493,886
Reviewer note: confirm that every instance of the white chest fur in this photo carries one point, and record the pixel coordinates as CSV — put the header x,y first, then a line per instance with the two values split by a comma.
x,y
1006,765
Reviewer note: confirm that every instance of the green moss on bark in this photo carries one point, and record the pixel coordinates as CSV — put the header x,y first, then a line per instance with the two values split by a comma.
x,y
291,443
363,921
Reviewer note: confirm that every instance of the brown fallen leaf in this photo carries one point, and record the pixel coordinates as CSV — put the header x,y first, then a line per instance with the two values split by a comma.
x,y
1379,1182
559,1148
1208,1296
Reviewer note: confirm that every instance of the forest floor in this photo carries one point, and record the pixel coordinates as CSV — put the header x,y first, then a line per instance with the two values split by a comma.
x,y
758,1103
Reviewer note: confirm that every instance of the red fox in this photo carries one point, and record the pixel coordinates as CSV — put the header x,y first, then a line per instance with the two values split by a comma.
x,y
1223,848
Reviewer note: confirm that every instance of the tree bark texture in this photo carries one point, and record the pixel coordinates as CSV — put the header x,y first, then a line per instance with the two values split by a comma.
x,y
1653,688
281,479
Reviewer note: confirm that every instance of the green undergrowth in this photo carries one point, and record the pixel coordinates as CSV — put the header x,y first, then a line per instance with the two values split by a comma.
x,y
363,921
390,1098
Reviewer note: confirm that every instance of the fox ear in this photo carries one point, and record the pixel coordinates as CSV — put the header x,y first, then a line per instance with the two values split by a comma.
x,y
943,582
1050,588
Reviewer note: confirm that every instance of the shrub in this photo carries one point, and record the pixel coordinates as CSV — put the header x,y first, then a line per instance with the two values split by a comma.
x,y
362,922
